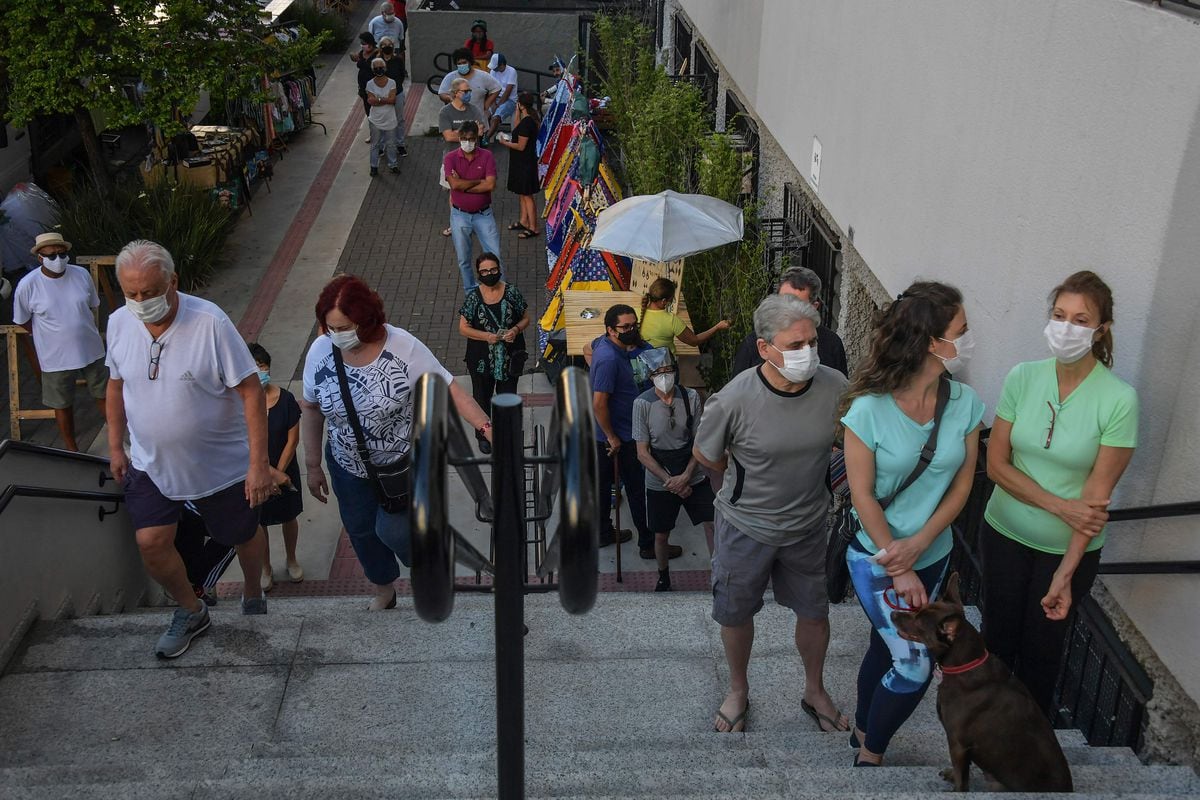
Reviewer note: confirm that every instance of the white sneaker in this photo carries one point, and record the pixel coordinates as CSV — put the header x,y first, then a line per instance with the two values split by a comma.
x,y
295,572
267,581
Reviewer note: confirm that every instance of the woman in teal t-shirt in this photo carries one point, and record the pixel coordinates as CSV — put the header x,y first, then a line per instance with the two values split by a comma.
x,y
888,417
1065,430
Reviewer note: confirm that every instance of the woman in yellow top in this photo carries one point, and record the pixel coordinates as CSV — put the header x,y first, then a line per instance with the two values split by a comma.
x,y
1064,433
661,328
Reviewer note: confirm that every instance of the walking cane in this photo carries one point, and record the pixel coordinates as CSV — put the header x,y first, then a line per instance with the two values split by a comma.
x,y
617,505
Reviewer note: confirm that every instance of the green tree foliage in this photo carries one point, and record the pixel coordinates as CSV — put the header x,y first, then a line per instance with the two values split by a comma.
x,y
75,56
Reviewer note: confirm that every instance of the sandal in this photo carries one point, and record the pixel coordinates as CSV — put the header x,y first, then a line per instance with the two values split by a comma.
x,y
516,226
733,724
528,234
818,717
446,232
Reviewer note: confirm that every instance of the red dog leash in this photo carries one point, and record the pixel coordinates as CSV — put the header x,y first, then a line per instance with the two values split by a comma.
x,y
967,667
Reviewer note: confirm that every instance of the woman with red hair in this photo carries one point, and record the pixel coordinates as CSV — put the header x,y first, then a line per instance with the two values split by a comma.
x,y
381,364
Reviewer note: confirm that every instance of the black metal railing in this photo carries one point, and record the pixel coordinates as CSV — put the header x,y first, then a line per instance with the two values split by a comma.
x,y
444,64
1101,689
571,471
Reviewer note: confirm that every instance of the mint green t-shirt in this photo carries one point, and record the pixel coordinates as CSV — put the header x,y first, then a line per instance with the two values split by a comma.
x,y
896,439
1103,410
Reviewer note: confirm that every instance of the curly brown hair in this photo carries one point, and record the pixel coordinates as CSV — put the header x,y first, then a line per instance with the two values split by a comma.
x,y
900,339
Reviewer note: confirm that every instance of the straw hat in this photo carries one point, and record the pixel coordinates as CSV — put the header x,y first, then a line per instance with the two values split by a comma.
x,y
47,239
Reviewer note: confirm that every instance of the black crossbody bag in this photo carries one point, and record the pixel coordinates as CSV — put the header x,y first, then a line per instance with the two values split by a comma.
x,y
845,526
390,480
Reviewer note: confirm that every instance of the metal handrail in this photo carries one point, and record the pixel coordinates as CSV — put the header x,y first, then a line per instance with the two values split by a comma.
x,y
445,60
14,490
41,449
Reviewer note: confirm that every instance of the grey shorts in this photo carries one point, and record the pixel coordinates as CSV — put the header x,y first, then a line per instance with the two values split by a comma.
x,y
58,388
741,567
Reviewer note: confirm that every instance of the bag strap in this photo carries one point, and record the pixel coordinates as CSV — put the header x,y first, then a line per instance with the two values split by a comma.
x,y
352,415
687,407
927,452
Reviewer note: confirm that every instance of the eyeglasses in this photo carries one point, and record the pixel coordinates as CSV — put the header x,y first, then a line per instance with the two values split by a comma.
x,y
1050,431
632,326
155,354
671,415
488,273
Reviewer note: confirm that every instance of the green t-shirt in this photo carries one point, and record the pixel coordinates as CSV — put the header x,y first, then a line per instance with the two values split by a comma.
x,y
1103,410
660,327
896,440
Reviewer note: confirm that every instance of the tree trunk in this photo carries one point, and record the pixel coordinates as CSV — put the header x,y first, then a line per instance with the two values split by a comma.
x,y
95,152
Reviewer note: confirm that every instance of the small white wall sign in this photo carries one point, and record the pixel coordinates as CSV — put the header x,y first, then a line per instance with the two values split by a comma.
x,y
814,169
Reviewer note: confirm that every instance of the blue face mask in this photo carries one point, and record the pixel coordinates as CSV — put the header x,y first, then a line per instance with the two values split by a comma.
x,y
466,96
463,69
265,377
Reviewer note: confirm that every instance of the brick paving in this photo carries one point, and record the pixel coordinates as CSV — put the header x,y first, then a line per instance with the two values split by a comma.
x,y
396,246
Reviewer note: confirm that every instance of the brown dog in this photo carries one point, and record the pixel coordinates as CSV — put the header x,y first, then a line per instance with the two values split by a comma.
x,y
989,716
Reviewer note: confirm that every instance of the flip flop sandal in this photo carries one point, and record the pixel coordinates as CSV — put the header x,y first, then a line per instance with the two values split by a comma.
x,y
528,234
818,718
516,226
740,719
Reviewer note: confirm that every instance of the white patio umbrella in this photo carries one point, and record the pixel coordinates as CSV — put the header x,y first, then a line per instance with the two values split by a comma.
x,y
666,226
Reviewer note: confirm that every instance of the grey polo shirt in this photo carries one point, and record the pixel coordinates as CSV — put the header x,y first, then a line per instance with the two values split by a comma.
x,y
775,487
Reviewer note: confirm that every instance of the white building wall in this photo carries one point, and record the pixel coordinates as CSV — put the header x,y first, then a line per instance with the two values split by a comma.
x,y
1000,147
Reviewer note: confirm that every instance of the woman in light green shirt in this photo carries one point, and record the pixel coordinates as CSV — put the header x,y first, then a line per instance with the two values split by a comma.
x,y
661,327
1064,433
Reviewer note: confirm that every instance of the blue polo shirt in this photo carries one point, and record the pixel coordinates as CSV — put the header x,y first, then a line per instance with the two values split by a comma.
x,y
621,374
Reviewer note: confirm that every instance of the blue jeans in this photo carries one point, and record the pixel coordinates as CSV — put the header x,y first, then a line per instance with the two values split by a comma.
x,y
483,225
895,672
400,118
380,140
378,538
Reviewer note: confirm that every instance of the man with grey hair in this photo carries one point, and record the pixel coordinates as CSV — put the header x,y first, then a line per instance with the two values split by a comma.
x,y
803,283
185,387
387,24
770,431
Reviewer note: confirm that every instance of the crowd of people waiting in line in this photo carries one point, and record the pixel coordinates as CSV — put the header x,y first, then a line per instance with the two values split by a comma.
x,y
213,453
214,443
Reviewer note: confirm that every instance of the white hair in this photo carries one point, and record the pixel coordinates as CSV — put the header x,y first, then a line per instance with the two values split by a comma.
x,y
146,253
459,83
378,61
778,312
387,40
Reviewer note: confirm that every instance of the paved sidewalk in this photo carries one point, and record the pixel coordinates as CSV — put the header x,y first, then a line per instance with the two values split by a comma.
x,y
396,245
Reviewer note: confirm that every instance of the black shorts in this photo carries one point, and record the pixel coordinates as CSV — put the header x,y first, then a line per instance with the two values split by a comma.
x,y
227,514
662,508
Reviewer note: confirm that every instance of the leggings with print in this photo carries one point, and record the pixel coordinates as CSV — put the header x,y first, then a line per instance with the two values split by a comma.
x,y
895,672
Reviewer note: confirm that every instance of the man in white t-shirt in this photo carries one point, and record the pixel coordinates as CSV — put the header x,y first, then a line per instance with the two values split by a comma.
x,y
184,385
484,88
56,303
506,101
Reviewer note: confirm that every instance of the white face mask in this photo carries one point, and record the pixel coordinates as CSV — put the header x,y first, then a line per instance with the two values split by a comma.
x,y
55,264
149,311
1068,342
799,365
963,347
665,382
467,145
345,340
388,18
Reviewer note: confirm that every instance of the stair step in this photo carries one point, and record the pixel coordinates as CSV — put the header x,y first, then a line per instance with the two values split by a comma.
x,y
696,781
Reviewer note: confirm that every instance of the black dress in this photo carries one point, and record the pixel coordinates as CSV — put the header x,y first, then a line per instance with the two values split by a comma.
x,y
281,418
522,164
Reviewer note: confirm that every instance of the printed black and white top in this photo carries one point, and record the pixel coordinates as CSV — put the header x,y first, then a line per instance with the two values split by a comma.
x,y
382,394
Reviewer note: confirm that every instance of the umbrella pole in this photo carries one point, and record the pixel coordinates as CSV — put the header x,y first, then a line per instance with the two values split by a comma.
x,y
617,508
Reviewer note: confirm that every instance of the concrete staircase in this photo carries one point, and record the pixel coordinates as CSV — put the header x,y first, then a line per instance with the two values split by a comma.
x,y
321,699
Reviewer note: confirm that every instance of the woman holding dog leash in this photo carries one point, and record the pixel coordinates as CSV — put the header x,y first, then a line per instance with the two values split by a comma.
x,y
911,440
1064,433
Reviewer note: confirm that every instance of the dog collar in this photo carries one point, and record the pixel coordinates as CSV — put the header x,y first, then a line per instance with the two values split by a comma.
x,y
961,668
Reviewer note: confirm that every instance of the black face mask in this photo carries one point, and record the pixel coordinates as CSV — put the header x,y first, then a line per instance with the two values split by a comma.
x,y
379,71
629,337
388,50
489,280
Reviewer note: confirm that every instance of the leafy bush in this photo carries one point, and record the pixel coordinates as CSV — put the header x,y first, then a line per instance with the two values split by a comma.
x,y
317,22
184,220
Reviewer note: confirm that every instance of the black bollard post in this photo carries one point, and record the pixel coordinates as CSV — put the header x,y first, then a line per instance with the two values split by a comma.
x,y
508,528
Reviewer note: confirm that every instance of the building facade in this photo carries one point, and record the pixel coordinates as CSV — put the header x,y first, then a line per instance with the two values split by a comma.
x,y
998,147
